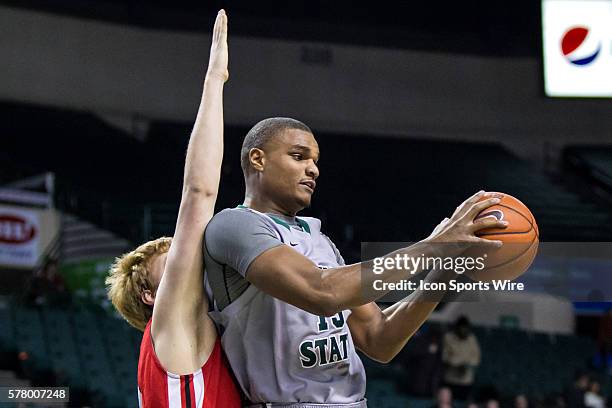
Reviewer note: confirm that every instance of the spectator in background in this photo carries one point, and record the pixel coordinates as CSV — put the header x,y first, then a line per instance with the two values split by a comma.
x,y
56,286
55,279
492,403
576,394
592,398
444,398
425,352
47,286
521,401
461,358
37,288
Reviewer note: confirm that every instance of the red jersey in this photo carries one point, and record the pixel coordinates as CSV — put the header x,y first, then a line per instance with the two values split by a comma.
x,y
211,386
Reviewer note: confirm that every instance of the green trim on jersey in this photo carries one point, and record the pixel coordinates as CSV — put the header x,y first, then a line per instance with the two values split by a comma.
x,y
302,223
280,222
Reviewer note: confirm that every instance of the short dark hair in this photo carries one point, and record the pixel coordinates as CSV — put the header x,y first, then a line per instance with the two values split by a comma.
x,y
263,132
462,321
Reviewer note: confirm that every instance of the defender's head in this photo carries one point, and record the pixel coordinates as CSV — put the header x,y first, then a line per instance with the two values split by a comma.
x,y
279,160
134,278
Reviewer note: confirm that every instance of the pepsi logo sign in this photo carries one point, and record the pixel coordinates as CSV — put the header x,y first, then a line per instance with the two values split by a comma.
x,y
15,229
579,47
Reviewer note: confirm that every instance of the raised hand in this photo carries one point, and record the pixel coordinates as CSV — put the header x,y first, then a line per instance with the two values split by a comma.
x,y
217,64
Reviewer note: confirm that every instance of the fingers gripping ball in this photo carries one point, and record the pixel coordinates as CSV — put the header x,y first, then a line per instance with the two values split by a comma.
x,y
520,240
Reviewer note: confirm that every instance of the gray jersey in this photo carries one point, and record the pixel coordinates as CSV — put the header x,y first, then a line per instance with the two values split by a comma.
x,y
278,352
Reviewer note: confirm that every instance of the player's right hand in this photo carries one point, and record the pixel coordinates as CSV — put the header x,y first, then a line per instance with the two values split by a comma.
x,y
462,227
217,63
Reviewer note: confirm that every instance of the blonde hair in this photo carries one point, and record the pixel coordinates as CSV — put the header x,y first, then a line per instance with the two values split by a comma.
x,y
129,278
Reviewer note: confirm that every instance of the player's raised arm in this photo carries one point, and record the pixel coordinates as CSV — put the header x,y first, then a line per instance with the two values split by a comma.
x,y
180,294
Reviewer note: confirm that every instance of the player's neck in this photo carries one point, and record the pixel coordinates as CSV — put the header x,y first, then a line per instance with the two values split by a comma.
x,y
265,205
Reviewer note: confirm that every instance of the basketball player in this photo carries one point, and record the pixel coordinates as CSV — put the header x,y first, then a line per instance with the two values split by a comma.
x,y
292,312
158,287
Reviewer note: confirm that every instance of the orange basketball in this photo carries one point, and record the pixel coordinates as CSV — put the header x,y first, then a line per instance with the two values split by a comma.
x,y
520,241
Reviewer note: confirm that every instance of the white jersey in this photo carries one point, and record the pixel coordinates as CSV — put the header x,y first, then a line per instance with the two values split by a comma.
x,y
278,352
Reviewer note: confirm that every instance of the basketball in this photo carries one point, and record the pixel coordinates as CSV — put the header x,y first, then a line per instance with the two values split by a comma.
x,y
520,240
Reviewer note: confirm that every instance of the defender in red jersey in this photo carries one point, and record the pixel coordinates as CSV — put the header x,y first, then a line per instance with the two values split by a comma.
x,y
158,287
210,386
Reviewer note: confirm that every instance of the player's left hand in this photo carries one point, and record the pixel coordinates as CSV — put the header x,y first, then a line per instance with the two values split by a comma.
x,y
217,64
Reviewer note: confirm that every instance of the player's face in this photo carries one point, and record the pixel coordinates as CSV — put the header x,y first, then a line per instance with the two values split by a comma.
x,y
291,168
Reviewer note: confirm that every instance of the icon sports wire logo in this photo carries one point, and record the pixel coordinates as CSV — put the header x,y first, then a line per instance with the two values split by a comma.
x,y
578,47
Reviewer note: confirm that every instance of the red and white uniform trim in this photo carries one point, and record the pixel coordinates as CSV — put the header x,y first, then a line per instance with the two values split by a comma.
x,y
211,386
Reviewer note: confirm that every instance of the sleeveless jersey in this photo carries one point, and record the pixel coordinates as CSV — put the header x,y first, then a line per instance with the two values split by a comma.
x,y
278,352
211,386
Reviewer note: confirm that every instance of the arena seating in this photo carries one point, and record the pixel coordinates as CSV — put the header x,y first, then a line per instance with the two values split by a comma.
x,y
513,362
370,189
398,189
593,163
83,346
86,347
438,175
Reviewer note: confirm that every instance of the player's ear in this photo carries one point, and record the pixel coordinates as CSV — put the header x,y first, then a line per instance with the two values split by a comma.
x,y
148,297
257,159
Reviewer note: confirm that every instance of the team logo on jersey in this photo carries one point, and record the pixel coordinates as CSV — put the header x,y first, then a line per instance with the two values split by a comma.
x,y
579,46
328,349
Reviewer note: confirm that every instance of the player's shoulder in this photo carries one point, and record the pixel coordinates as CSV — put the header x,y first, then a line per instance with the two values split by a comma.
x,y
230,211
231,214
223,222
239,218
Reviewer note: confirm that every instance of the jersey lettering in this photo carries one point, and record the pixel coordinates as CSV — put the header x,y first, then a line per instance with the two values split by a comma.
x,y
325,350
